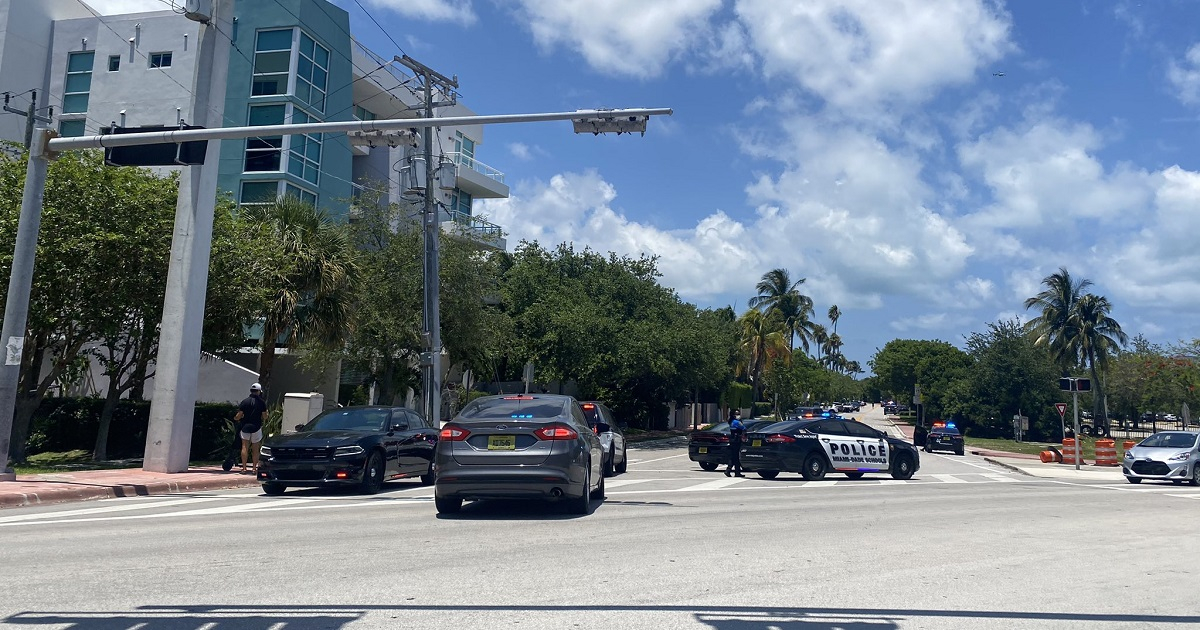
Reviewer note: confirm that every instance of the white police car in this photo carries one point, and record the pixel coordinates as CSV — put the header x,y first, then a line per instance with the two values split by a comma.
x,y
815,447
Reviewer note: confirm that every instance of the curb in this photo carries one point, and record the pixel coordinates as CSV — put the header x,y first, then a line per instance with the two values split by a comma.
x,y
1008,466
634,445
92,492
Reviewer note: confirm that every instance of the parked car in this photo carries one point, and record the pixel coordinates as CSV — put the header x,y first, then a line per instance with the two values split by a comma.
x,y
1166,456
350,446
528,446
815,447
944,436
600,419
710,447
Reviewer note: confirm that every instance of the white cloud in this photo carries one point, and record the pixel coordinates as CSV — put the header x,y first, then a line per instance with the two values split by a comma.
x,y
856,54
459,11
520,150
1185,76
931,322
627,37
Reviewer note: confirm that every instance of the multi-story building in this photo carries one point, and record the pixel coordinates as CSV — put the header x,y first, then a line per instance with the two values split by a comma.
x,y
292,61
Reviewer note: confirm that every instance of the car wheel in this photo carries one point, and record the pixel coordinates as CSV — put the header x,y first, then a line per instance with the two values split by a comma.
x,y
814,467
599,493
768,474
855,475
903,468
273,489
372,480
427,478
959,451
447,505
709,466
927,449
609,469
584,502
624,465
1195,481
1133,479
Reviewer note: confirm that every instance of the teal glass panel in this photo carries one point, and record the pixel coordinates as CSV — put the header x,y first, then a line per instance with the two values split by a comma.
x,y
274,40
80,62
75,104
78,83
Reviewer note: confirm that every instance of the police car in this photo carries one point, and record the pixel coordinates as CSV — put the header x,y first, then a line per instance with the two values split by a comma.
x,y
944,436
818,446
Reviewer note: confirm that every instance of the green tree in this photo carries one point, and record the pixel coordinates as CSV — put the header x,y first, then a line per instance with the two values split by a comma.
x,y
777,293
312,290
934,365
1010,373
762,342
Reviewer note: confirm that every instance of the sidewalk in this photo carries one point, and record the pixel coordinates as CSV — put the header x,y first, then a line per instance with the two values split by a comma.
x,y
85,485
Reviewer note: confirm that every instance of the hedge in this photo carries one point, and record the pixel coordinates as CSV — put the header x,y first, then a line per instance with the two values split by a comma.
x,y
67,424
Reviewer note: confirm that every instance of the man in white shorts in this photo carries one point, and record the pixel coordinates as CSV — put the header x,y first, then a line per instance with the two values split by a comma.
x,y
252,413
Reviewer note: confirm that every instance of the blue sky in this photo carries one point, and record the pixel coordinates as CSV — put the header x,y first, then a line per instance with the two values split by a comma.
x,y
868,146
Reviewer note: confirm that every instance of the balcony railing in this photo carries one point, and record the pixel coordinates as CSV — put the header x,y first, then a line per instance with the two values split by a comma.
x,y
477,166
476,227
390,67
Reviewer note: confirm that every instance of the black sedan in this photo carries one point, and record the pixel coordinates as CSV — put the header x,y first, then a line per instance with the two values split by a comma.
x,y
710,447
352,446
815,447
944,436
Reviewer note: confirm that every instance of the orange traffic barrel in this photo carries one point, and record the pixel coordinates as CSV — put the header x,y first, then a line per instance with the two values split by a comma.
x,y
1106,452
1048,457
1068,451
1128,444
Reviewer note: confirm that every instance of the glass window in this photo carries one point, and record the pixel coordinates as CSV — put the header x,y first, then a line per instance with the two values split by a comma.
x,y
360,419
460,202
858,429
78,82
71,128
312,70
526,406
301,194
272,62
361,113
160,60
828,427
259,192
265,153
114,63
464,145
304,155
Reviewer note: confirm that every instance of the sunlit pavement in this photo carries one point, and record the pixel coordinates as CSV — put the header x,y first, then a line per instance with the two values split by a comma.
x,y
964,544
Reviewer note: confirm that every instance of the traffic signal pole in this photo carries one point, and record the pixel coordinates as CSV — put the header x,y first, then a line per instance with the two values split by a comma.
x,y
1075,396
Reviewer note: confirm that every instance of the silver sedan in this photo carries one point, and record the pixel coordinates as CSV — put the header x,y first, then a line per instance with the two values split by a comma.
x,y
1165,456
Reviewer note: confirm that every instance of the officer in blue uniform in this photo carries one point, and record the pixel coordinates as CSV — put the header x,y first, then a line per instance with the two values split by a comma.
x,y
737,431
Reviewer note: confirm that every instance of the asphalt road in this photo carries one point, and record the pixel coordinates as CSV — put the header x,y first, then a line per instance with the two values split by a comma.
x,y
961,545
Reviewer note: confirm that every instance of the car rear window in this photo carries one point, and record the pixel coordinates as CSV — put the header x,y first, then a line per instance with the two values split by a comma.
x,y
946,430
515,407
779,427
720,427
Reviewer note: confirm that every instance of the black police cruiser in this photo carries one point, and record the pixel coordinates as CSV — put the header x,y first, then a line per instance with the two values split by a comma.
x,y
815,447
944,436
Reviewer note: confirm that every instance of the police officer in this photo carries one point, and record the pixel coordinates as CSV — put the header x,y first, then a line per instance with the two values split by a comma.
x,y
737,431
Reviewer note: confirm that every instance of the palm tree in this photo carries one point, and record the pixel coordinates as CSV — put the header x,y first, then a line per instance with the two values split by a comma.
x,y
1097,336
1077,329
1057,303
834,315
777,292
762,341
312,288
820,337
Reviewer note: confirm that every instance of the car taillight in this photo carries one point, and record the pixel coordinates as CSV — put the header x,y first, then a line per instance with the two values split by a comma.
x,y
556,432
780,438
723,439
455,434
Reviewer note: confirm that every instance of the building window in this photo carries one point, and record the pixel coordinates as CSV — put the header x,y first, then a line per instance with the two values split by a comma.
x,y
464,146
160,60
264,153
78,83
259,193
312,72
301,194
71,128
363,114
272,62
114,63
460,202
304,151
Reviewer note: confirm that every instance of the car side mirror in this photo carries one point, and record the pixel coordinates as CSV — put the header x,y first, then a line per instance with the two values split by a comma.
x,y
299,427
399,427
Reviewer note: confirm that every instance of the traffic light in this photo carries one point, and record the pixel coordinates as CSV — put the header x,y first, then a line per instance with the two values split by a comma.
x,y
1070,384
1064,384
1083,384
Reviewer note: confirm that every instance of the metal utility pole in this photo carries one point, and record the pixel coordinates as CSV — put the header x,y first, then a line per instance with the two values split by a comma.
x,y
1075,396
432,359
30,114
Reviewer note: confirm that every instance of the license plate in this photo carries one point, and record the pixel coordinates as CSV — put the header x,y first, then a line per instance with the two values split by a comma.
x,y
703,449
502,442
756,443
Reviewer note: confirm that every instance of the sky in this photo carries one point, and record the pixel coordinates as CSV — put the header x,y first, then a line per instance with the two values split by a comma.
x,y
922,164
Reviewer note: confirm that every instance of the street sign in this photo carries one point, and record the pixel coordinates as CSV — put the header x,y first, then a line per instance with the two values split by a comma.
x,y
1062,410
170,154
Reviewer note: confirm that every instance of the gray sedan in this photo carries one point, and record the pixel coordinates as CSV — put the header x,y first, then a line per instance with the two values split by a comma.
x,y
531,446
1165,456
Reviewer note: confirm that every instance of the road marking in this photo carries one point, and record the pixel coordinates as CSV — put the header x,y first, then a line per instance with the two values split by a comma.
x,y
647,461
229,509
1000,477
617,483
949,479
140,505
714,485
1185,496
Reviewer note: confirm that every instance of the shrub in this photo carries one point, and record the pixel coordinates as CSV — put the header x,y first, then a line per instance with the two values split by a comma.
x,y
762,409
